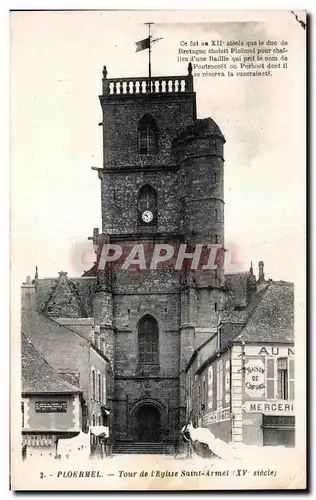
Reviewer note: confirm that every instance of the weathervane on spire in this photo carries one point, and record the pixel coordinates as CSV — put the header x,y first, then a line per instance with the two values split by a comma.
x,y
146,44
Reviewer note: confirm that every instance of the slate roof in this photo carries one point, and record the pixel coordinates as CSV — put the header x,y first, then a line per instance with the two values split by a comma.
x,y
272,319
38,376
237,313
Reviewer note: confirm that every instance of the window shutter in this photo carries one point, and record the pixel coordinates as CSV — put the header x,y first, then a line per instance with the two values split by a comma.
x,y
270,378
227,381
210,387
104,389
93,382
219,382
291,378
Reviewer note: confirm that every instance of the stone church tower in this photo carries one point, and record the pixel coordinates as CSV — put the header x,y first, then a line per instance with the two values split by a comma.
x,y
161,182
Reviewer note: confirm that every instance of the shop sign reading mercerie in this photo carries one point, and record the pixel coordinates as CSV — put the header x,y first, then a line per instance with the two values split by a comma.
x,y
254,378
270,407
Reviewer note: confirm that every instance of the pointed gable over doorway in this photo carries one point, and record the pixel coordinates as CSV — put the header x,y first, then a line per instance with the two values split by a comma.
x,y
64,300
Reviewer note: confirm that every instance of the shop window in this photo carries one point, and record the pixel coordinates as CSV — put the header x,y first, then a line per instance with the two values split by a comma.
x,y
278,430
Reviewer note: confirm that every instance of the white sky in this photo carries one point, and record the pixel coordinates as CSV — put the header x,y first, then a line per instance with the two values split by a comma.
x,y
56,71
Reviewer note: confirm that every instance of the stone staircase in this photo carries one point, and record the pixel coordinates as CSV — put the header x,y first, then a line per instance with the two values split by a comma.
x,y
139,447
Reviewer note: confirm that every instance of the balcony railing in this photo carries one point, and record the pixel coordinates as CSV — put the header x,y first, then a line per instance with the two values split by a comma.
x,y
153,85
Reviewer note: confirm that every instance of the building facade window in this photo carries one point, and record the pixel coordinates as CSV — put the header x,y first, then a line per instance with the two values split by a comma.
x,y
93,384
148,347
280,378
99,388
104,389
147,135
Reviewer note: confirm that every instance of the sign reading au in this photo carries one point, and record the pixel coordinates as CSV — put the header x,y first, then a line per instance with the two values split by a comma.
x,y
51,406
254,378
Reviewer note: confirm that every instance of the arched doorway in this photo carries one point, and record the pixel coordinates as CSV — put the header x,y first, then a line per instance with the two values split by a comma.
x,y
148,424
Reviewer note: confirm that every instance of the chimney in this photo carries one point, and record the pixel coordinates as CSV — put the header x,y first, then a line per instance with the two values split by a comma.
x,y
251,284
261,271
28,295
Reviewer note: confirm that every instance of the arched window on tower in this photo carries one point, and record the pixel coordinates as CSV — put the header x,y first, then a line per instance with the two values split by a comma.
x,y
147,135
148,341
147,205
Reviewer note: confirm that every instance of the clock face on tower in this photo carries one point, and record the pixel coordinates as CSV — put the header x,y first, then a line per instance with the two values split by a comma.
x,y
147,216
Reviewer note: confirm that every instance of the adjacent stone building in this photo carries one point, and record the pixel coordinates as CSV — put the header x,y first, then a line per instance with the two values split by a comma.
x,y
71,345
51,407
241,382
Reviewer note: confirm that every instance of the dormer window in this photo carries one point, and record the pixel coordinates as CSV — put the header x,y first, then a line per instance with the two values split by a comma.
x,y
147,135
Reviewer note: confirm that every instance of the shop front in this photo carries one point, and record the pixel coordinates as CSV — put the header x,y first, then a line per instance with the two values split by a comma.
x,y
268,395
48,418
